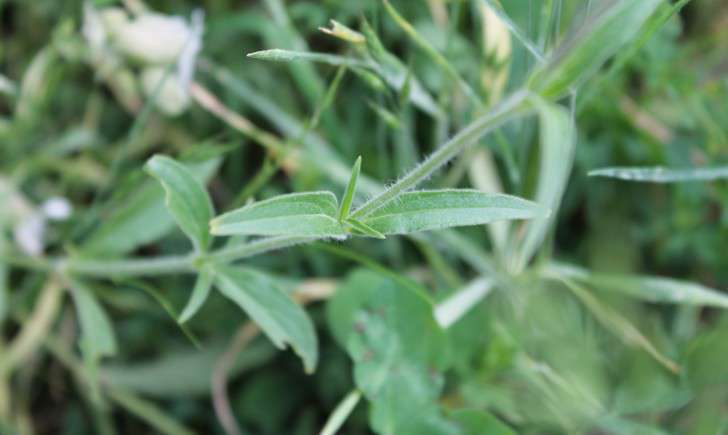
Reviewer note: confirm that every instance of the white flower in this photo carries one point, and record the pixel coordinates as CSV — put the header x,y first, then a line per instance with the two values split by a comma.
x,y
172,99
29,222
153,38
57,208
156,41
29,234
93,29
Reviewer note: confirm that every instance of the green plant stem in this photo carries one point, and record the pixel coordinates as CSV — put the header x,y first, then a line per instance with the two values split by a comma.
x,y
511,108
152,266
136,267
34,329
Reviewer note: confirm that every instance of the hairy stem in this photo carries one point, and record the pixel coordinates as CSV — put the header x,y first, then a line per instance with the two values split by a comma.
x,y
511,108
136,267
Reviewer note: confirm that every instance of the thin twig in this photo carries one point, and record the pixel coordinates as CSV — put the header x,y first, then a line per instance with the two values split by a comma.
x,y
220,400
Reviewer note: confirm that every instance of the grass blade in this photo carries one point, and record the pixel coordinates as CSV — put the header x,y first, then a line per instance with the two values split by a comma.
x,y
452,309
558,142
618,324
341,413
581,54
662,175
647,288
281,55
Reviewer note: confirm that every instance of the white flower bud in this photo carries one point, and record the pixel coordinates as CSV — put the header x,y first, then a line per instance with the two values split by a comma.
x,y
153,38
172,98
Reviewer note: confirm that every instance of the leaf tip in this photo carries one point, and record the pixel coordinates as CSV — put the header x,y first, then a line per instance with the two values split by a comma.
x,y
257,54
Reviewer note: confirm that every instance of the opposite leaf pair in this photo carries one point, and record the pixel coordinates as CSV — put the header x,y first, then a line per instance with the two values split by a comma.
x,y
310,214
318,214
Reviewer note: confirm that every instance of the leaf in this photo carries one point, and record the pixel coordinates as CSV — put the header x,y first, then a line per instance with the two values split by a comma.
x,y
200,292
343,32
281,55
647,288
280,318
612,25
348,198
398,350
662,175
438,209
301,214
97,334
558,141
619,324
186,198
657,289
140,217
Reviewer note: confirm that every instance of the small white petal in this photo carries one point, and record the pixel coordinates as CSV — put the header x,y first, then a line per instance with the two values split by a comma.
x,y
188,57
57,208
29,235
93,28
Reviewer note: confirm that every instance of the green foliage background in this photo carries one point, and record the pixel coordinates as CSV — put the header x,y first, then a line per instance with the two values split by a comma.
x,y
595,355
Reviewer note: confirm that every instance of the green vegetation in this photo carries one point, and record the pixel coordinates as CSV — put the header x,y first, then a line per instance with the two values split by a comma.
x,y
397,217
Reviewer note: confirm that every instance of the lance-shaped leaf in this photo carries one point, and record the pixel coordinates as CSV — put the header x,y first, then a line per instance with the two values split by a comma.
x,y
662,175
138,216
558,140
186,198
97,335
618,324
612,24
280,318
200,292
348,198
438,209
658,289
648,288
311,214
281,55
